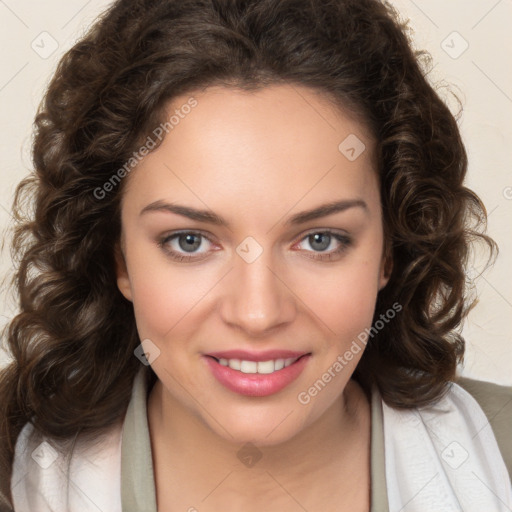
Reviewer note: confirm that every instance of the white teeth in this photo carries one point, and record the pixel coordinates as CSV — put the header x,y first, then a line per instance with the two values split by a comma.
x,y
263,367
266,367
234,364
248,366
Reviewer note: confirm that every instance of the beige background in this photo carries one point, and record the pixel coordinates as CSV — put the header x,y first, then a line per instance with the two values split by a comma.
x,y
35,34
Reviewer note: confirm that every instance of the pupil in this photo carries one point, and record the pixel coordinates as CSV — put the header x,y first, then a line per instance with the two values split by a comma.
x,y
317,238
190,243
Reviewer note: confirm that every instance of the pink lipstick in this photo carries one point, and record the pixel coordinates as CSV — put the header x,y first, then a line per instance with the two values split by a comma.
x,y
256,373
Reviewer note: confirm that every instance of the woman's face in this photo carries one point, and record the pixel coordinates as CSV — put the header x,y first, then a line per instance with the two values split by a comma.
x,y
253,277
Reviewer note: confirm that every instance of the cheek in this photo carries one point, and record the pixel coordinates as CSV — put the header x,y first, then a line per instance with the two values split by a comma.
x,y
344,304
344,297
163,295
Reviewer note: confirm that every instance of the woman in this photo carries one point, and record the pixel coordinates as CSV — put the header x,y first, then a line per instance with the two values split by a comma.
x,y
245,268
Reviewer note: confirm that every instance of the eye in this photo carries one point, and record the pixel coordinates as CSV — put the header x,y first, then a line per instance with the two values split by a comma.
x,y
186,241
184,245
320,241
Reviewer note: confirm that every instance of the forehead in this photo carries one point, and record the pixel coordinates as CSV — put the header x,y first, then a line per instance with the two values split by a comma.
x,y
278,144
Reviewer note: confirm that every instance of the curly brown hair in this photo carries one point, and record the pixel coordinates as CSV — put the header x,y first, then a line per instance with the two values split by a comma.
x,y
73,341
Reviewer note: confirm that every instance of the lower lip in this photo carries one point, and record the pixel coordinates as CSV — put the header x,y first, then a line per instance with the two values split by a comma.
x,y
256,384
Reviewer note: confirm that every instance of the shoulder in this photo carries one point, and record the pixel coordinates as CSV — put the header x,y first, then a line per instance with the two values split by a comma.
x,y
66,476
454,440
495,400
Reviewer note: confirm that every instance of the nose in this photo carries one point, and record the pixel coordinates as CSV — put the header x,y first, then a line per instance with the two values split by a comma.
x,y
257,300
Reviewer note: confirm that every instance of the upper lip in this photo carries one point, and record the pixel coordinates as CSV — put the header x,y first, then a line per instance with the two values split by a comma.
x,y
266,355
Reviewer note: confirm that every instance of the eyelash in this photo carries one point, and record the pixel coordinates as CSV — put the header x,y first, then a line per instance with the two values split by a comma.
x,y
344,240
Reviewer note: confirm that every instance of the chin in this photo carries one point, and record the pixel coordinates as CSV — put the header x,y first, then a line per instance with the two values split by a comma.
x,y
267,431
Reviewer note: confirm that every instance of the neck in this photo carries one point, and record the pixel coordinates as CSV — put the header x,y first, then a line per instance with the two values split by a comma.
x,y
332,445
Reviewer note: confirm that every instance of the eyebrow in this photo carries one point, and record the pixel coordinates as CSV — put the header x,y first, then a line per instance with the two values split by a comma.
x,y
212,218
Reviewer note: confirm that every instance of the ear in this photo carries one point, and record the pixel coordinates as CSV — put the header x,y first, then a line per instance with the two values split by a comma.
x,y
123,280
386,267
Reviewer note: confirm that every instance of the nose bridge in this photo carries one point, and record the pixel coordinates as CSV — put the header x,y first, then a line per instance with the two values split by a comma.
x,y
257,300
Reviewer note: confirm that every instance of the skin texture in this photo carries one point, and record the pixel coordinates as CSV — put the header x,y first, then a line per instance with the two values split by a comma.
x,y
255,159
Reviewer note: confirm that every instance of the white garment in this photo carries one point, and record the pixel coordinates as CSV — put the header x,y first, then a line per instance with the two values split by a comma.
x,y
40,482
442,458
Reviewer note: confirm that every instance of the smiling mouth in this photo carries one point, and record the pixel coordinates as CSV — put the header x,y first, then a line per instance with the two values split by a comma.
x,y
258,367
265,377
